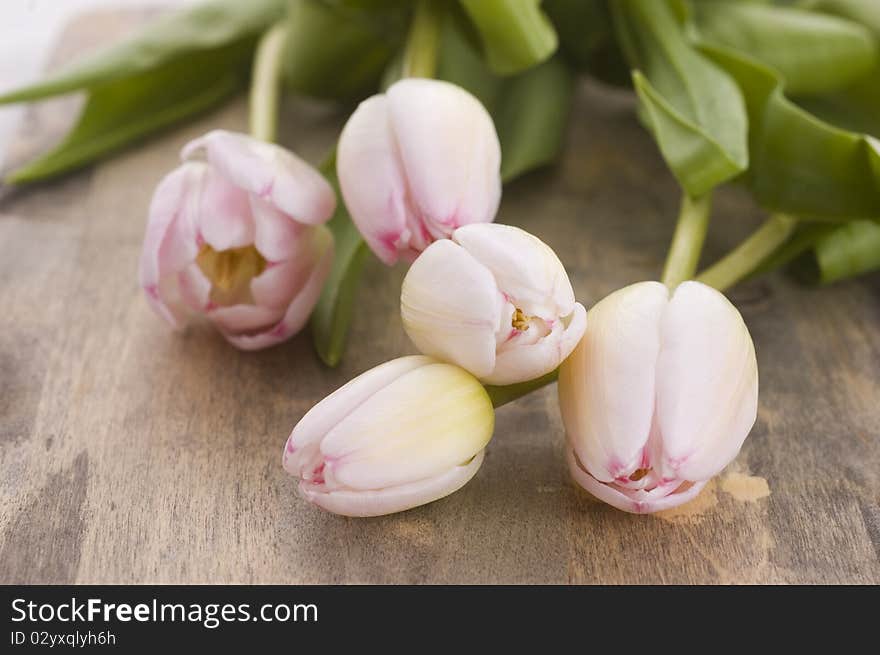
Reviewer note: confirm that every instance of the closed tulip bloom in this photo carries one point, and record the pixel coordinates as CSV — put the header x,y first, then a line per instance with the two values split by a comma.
x,y
417,162
659,396
403,434
495,300
235,234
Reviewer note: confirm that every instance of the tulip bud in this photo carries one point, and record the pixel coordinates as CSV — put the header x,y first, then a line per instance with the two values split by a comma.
x,y
403,434
659,395
496,301
417,162
235,234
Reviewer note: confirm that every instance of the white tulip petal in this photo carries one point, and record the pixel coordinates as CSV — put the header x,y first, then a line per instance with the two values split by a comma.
x,y
425,422
707,383
277,236
195,288
607,385
225,220
518,363
450,151
524,267
268,170
451,307
393,499
328,413
646,504
371,178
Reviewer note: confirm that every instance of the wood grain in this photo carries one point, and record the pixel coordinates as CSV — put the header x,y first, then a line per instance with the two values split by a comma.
x,y
130,454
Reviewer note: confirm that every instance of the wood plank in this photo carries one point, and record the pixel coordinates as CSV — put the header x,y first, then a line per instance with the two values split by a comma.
x,y
130,454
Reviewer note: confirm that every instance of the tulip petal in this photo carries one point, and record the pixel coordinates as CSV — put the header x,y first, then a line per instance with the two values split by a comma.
x,y
450,152
524,267
330,411
225,214
371,179
707,382
195,288
393,499
451,307
300,308
170,243
516,363
268,170
238,319
277,236
426,422
646,504
606,386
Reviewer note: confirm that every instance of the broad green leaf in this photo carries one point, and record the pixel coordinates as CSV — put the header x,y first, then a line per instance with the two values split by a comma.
x,y
799,164
849,250
531,116
332,315
204,27
694,109
864,12
814,53
530,109
516,34
587,40
338,50
126,109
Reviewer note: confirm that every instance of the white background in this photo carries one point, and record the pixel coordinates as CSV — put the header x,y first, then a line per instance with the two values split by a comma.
x,y
28,29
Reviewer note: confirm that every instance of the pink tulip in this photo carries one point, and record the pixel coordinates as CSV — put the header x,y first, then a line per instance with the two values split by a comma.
x,y
417,162
235,234
659,395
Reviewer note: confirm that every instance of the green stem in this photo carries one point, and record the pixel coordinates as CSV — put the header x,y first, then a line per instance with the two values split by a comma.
x,y
749,255
420,53
687,242
503,395
266,83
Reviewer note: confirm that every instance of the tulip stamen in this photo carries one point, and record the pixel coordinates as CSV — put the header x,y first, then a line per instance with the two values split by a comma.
x,y
520,321
638,474
230,271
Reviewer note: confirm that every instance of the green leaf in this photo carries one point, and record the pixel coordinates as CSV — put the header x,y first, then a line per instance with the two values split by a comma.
x,y
849,250
801,165
530,110
204,27
516,34
587,40
813,53
127,109
338,50
864,12
694,109
531,116
332,315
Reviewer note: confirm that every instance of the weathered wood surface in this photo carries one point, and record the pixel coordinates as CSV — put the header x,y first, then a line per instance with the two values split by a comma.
x,y
130,454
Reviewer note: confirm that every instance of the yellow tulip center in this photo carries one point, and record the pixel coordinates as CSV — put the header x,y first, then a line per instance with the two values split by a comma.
x,y
230,272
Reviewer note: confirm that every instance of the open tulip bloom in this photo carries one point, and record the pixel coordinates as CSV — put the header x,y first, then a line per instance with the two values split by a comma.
x,y
494,300
659,396
235,234
403,434
417,162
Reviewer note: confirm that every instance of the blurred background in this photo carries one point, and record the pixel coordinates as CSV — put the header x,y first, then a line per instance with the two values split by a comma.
x,y
28,28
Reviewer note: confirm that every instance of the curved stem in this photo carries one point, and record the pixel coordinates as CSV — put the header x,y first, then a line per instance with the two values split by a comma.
x,y
420,53
501,395
749,254
687,242
266,83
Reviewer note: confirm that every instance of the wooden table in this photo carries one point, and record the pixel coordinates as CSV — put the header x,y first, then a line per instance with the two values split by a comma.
x,y
133,455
